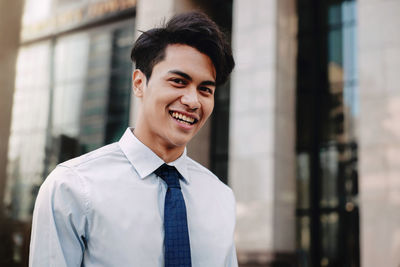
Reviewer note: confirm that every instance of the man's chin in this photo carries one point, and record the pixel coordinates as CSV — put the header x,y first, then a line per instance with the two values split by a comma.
x,y
180,143
181,140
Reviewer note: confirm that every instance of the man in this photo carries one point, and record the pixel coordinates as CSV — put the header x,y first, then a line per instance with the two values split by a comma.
x,y
143,201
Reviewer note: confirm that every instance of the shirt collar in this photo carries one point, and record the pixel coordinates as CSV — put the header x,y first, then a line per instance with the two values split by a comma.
x,y
144,160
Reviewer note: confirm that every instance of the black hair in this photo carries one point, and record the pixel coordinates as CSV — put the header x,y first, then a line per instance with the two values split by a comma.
x,y
194,29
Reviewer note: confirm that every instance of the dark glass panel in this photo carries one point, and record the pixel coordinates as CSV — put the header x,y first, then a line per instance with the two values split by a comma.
x,y
119,95
326,132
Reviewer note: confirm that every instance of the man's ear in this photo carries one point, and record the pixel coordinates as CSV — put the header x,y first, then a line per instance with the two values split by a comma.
x,y
138,82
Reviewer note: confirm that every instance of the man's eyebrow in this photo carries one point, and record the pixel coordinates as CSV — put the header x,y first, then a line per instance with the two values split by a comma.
x,y
208,83
188,77
180,73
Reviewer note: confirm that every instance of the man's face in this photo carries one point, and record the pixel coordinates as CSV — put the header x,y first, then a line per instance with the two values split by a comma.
x,y
178,98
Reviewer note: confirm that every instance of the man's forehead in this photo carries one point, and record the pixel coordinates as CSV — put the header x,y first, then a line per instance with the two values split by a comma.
x,y
180,58
182,50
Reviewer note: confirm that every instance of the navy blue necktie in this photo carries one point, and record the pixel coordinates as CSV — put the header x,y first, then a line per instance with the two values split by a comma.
x,y
176,240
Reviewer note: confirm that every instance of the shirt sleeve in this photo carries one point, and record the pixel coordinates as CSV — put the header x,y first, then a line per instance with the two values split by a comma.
x,y
232,257
231,260
59,221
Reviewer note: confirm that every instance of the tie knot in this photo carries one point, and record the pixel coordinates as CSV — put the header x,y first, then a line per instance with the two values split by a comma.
x,y
170,175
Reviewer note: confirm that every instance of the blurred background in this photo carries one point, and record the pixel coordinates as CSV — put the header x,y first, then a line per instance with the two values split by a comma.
x,y
306,133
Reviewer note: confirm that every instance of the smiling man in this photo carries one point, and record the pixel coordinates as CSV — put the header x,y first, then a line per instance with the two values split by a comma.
x,y
176,101
143,201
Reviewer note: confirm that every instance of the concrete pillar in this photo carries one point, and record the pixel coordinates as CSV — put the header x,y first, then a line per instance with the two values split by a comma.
x,y
150,14
379,131
10,24
262,132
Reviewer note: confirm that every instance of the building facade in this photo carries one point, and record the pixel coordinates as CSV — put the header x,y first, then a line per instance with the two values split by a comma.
x,y
72,95
305,132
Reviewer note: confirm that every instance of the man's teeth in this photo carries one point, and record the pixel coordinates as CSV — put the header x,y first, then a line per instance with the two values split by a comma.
x,y
183,118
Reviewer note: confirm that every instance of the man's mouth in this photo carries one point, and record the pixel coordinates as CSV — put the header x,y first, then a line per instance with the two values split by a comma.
x,y
183,118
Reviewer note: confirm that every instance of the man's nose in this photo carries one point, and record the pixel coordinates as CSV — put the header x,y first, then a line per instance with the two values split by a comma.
x,y
190,98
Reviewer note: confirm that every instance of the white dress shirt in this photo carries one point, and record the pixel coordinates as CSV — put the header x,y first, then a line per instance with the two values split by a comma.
x,y
106,208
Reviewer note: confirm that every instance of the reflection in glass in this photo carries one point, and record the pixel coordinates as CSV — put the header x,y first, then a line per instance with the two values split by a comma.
x,y
70,67
94,105
329,172
72,95
26,150
327,109
303,180
119,94
329,240
36,10
28,129
303,240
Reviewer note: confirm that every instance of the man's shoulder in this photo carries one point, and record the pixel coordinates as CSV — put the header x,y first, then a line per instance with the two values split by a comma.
x,y
94,161
104,153
69,173
203,174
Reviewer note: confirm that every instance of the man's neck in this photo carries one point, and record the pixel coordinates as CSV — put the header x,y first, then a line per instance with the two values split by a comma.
x,y
164,152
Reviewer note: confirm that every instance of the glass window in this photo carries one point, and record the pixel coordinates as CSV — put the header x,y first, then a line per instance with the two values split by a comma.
x,y
36,10
26,150
119,94
94,104
70,71
72,95
220,133
28,135
327,109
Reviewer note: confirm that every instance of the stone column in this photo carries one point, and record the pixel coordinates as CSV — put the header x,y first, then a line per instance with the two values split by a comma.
x,y
262,132
379,131
10,24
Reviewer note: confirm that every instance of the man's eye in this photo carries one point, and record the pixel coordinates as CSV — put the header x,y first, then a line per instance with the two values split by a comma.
x,y
206,89
178,81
